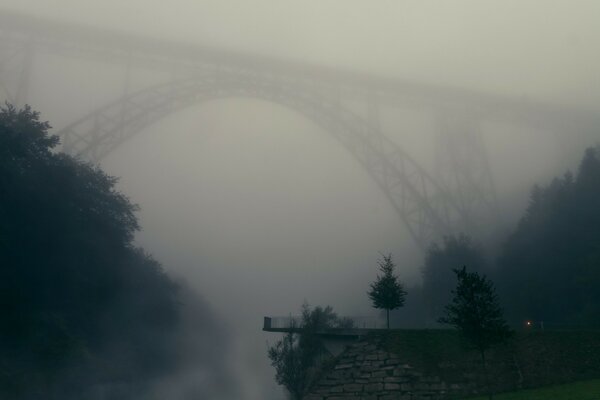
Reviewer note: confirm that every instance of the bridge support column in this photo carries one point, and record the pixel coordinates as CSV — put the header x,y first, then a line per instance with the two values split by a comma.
x,y
463,169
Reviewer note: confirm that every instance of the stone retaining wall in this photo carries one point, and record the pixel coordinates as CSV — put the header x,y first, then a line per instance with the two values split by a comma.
x,y
366,372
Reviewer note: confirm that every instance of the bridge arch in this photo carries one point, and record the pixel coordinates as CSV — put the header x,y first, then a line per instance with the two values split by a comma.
x,y
423,206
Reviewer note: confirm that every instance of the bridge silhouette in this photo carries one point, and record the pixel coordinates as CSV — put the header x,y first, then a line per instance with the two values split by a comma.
x,y
458,196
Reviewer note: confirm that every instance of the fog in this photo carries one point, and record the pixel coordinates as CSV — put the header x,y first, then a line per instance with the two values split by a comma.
x,y
258,208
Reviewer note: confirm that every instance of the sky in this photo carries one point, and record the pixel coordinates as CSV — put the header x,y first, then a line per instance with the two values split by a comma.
x,y
258,208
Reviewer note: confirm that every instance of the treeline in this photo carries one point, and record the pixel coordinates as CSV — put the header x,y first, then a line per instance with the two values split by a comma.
x,y
84,312
548,268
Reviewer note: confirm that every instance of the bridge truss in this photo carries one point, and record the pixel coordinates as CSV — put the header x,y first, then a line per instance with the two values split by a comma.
x,y
450,199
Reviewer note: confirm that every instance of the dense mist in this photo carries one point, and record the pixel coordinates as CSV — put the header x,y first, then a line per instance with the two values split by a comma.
x,y
253,208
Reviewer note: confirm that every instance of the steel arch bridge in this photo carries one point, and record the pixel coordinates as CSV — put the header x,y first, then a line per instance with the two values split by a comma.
x,y
430,203
422,204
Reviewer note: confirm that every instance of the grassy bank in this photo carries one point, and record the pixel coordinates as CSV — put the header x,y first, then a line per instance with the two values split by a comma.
x,y
585,390
527,360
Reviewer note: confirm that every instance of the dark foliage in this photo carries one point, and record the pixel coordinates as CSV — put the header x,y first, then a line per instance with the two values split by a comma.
x,y
476,313
438,278
300,354
550,266
80,305
387,292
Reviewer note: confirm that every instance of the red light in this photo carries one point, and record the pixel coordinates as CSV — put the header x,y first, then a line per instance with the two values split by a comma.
x,y
528,323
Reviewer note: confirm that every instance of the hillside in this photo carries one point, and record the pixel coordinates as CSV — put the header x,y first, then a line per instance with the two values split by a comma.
x,y
436,364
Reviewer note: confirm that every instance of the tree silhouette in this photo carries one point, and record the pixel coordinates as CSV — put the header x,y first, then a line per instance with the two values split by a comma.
x,y
387,292
76,294
438,278
298,355
555,248
475,312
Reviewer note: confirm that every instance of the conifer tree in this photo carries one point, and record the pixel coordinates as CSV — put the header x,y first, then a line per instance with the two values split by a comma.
x,y
387,292
476,313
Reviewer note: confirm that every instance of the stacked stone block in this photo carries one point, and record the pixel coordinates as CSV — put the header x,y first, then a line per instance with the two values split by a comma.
x,y
366,372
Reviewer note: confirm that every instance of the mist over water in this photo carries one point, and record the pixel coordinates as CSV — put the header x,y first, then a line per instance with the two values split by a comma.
x,y
257,208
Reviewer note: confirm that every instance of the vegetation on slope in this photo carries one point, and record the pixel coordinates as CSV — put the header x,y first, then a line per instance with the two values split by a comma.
x,y
582,390
528,359
83,309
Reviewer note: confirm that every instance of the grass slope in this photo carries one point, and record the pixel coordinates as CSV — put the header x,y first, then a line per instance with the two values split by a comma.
x,y
585,390
528,360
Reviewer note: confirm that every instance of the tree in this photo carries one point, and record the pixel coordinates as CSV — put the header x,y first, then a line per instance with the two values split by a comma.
x,y
290,365
437,269
475,312
555,249
81,304
299,354
387,292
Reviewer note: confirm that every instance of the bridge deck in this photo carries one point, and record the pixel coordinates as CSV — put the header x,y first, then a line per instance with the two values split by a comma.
x,y
129,49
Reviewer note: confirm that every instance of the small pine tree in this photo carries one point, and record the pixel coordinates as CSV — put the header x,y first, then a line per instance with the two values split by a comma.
x,y
387,292
476,313
438,278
